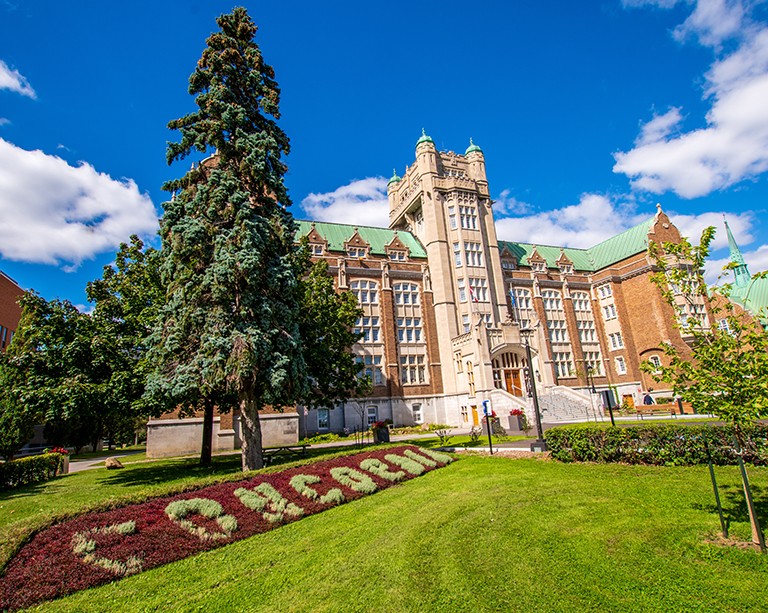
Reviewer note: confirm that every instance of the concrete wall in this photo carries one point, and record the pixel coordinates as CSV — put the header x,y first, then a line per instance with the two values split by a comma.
x,y
177,437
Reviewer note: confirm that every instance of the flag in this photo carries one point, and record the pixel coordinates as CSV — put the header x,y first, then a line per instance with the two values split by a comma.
x,y
512,298
472,294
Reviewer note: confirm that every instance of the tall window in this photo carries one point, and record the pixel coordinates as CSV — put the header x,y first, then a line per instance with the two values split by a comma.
x,y
473,254
471,378
366,292
369,328
563,363
412,369
522,306
558,330
621,366
373,415
478,289
465,323
609,312
409,329
462,290
406,293
552,300
581,302
587,332
416,411
323,419
617,342
452,216
457,254
593,359
468,215
605,291
372,368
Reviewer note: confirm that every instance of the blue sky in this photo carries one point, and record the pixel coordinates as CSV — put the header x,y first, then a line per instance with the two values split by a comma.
x,y
589,113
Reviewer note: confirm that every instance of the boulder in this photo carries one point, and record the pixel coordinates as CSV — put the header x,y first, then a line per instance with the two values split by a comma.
x,y
112,463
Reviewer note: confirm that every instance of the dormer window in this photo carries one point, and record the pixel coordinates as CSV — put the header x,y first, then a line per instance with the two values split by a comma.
x,y
508,264
357,252
566,269
316,249
397,256
539,266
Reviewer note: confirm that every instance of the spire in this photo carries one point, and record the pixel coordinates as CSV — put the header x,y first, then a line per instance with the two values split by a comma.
x,y
740,271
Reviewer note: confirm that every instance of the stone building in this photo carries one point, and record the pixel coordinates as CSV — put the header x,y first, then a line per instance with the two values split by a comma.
x,y
448,309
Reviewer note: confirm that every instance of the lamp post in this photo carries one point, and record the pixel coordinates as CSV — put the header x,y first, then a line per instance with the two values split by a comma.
x,y
540,444
591,380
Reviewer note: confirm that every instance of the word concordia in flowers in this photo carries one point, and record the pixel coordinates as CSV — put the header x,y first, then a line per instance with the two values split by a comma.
x,y
97,548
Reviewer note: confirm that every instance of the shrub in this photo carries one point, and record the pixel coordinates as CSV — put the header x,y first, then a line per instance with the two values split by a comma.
x,y
656,444
30,470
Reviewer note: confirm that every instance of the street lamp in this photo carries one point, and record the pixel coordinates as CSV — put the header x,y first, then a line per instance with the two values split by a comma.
x,y
540,444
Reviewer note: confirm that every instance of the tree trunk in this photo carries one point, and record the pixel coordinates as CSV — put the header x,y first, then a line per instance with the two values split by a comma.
x,y
207,445
757,535
250,428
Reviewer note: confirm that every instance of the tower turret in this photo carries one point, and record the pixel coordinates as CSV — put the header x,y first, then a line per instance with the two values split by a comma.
x,y
740,270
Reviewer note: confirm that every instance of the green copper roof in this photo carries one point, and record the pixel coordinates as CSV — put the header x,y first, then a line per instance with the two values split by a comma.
x,y
472,148
753,297
615,249
393,179
378,238
424,138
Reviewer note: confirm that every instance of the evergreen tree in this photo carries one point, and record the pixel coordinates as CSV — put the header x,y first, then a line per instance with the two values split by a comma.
x,y
229,331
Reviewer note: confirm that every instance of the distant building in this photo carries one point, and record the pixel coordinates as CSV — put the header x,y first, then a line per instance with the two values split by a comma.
x,y
750,294
10,311
447,308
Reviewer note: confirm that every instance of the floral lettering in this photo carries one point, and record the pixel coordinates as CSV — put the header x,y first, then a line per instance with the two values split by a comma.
x,y
178,511
269,502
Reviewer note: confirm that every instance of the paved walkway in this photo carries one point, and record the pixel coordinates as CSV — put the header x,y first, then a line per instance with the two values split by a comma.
x,y
75,466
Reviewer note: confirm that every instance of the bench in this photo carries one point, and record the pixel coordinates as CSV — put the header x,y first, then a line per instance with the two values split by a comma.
x,y
653,409
268,454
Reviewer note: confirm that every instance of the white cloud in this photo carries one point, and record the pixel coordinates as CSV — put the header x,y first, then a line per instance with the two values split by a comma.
x,y
591,221
506,204
13,80
734,144
691,226
362,202
756,260
54,213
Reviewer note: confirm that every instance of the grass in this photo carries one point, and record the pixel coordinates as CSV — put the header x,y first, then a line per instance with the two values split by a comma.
x,y
484,534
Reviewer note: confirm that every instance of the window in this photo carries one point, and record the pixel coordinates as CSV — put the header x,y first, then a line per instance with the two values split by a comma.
x,y
617,342
369,328
566,269
724,325
655,360
593,359
452,216
522,309
471,378
412,369
372,368
323,419
473,254
563,364
465,323
478,289
357,252
508,264
609,312
539,267
409,329
468,215
605,291
587,332
397,256
373,414
364,291
464,414
462,291
621,366
558,330
316,249
457,254
416,411
458,362
552,300
406,293
581,302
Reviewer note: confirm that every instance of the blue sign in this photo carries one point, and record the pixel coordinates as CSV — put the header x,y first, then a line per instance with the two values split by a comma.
x,y
486,407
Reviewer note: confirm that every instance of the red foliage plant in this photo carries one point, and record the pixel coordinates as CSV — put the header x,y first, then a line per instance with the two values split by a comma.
x,y
96,548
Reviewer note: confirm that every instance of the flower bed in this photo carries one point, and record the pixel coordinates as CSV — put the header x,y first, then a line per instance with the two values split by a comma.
x,y
97,548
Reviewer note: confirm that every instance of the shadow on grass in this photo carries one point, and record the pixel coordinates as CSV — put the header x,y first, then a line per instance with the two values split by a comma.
x,y
735,505
151,473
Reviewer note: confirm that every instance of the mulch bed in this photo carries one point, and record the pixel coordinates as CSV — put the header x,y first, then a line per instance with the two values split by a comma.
x,y
96,548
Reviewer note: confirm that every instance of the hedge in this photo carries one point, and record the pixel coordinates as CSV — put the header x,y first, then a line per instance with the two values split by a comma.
x,y
656,444
30,470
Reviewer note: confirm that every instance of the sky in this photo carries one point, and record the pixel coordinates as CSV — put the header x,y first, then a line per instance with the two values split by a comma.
x,y
588,113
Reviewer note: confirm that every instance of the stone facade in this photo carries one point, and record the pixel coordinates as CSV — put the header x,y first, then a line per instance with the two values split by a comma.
x,y
447,308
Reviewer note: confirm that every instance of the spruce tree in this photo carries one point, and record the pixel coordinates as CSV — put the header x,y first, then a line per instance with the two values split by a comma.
x,y
229,331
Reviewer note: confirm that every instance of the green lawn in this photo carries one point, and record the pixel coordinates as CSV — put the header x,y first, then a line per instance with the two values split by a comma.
x,y
484,534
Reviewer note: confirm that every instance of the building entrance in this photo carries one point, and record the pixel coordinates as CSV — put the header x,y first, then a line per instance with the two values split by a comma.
x,y
507,373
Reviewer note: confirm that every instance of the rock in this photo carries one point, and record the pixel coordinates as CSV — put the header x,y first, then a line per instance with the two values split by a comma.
x,y
112,463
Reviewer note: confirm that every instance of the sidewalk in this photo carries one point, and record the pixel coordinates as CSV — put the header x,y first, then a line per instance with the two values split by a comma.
x,y
75,466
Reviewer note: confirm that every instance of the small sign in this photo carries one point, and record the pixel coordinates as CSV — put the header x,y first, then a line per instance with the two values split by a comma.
x,y
486,407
